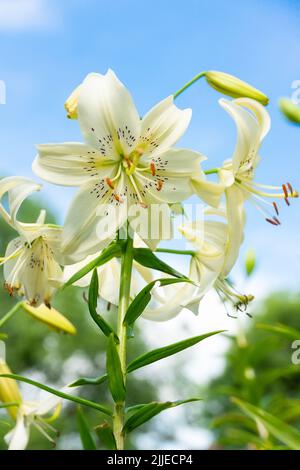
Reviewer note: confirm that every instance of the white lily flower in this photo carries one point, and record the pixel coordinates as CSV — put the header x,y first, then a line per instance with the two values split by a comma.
x,y
35,414
237,175
30,263
214,256
125,161
209,239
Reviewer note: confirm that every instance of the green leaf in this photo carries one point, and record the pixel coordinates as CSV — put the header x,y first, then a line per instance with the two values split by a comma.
x,y
114,372
166,351
276,427
112,251
66,396
141,301
106,436
86,437
269,376
280,328
149,358
89,381
146,412
146,258
93,299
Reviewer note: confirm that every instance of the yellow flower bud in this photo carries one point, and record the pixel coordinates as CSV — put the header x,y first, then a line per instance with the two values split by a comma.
x,y
234,87
290,110
72,103
9,390
51,317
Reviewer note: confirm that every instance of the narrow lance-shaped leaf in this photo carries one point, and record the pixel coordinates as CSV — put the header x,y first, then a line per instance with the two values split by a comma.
x,y
166,351
279,328
146,412
278,428
149,358
89,381
112,251
114,372
142,299
86,437
66,396
106,436
93,299
147,258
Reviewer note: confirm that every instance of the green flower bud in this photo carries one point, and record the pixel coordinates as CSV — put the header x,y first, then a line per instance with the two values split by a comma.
x,y
290,110
250,262
234,87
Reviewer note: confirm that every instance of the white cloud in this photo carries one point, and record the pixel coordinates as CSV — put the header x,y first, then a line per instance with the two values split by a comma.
x,y
20,15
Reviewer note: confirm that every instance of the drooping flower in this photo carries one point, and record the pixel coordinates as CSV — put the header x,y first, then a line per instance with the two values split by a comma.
x,y
30,263
214,256
35,414
237,175
125,161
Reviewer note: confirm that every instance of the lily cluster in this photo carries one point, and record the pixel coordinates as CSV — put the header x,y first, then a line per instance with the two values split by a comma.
x,y
126,167
130,162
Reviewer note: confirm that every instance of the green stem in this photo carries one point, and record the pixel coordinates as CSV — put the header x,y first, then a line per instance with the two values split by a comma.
x,y
212,171
124,299
175,252
188,84
9,314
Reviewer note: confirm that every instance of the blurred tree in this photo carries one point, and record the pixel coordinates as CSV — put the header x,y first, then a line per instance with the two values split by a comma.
x,y
259,371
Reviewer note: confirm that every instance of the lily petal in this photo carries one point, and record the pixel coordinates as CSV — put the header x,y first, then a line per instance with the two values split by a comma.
x,y
68,164
107,115
236,222
163,126
18,438
252,122
92,221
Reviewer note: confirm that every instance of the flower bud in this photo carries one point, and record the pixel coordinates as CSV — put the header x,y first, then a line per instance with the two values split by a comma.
x,y
9,390
290,110
234,87
51,317
250,262
72,103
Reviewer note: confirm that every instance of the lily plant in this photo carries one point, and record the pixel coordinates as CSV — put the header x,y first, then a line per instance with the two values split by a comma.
x,y
132,183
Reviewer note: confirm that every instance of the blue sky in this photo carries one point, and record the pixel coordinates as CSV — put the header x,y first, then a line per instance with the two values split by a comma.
x,y
47,47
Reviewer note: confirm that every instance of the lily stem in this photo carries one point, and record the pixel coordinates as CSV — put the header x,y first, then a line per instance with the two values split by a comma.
x,y
9,314
175,252
211,171
188,84
124,299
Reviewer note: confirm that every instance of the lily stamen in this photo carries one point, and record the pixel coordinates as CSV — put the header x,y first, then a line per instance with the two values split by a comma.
x,y
276,208
290,188
160,184
285,191
153,169
108,181
118,198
